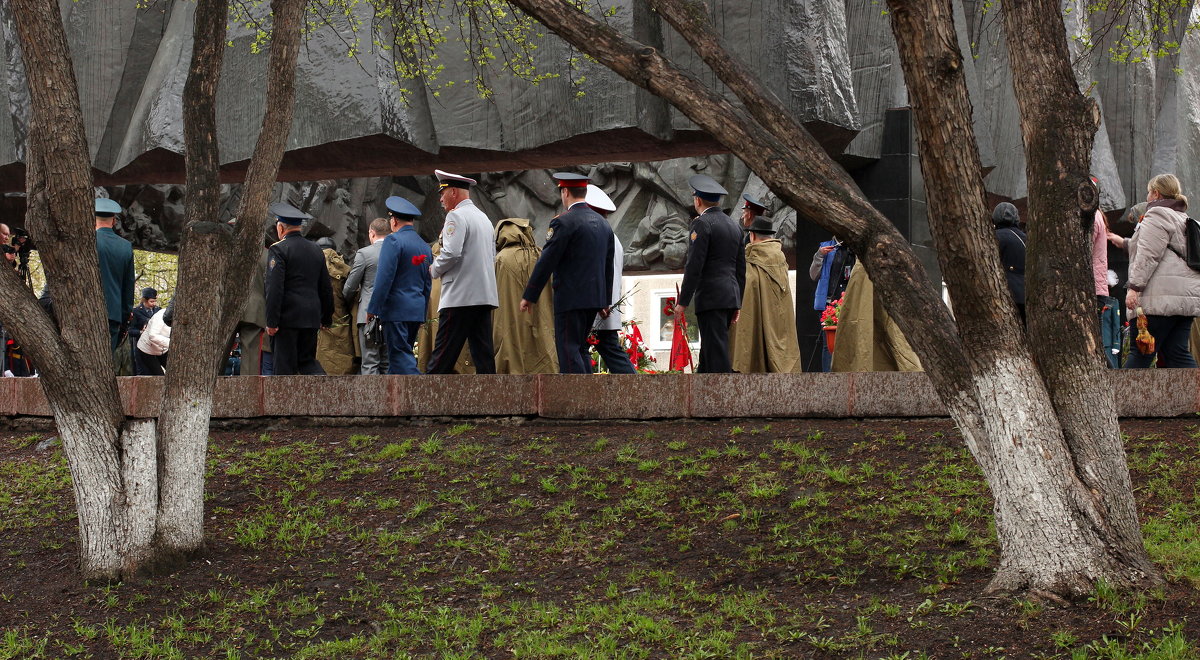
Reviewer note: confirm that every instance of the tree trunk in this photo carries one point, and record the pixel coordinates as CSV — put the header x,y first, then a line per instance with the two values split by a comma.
x,y
983,372
1057,543
111,460
215,265
1059,125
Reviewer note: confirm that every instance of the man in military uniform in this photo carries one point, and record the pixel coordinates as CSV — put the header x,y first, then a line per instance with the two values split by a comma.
x,y
466,266
299,297
715,274
116,269
361,283
751,209
607,328
401,287
578,253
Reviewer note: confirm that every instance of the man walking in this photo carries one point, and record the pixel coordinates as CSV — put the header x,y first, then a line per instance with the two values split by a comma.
x,y
299,297
116,269
466,267
764,339
715,274
606,329
578,253
361,282
401,287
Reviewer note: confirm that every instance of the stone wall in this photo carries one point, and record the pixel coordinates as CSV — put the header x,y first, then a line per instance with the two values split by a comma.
x,y
1160,393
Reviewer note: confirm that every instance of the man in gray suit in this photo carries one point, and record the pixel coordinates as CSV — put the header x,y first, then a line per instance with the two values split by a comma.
x,y
361,281
466,266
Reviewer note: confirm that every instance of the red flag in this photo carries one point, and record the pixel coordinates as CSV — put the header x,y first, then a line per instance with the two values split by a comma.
x,y
635,343
681,353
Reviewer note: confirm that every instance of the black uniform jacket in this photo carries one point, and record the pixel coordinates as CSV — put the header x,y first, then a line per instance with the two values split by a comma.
x,y
1012,256
579,253
299,294
715,272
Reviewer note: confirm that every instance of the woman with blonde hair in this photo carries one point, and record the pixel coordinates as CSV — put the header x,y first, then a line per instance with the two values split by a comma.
x,y
1160,281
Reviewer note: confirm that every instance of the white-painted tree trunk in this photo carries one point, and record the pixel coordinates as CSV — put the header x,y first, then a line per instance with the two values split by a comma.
x,y
115,491
184,430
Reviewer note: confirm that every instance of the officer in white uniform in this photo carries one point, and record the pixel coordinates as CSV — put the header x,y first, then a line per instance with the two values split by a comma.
x,y
466,266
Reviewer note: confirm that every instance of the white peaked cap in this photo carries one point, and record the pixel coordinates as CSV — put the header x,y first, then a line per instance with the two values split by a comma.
x,y
444,176
597,198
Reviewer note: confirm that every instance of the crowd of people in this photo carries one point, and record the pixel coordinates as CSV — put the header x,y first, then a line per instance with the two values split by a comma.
x,y
475,300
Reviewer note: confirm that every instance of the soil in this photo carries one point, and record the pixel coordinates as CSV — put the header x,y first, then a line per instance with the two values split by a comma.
x,y
826,592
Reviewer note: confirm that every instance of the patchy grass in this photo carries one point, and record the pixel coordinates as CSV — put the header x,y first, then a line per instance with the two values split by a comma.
x,y
689,540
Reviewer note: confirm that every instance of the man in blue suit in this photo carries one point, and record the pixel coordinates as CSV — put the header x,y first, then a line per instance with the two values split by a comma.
x,y
116,269
579,253
402,283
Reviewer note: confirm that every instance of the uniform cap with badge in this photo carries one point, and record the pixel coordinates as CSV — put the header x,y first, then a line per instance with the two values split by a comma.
x,y
448,180
288,214
707,188
571,180
106,208
753,204
401,208
599,200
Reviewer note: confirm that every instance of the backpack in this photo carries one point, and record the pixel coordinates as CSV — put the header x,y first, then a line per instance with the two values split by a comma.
x,y
1191,243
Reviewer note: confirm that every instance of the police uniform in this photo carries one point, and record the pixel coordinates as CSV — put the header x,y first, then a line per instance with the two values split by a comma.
x,y
715,274
578,253
115,255
400,293
299,297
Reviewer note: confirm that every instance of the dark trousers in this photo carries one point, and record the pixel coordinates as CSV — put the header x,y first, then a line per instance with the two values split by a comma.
x,y
463,325
570,339
295,351
114,333
1171,337
714,341
400,337
145,364
615,357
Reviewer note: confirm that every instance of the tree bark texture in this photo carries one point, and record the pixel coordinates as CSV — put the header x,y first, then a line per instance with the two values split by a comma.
x,y
1059,125
803,176
992,387
216,261
1058,542
106,455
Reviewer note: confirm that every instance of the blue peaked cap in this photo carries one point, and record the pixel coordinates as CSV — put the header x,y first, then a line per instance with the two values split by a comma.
x,y
107,206
401,207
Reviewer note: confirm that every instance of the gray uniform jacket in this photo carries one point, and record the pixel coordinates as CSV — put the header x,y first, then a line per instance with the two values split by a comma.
x,y
361,279
255,312
467,262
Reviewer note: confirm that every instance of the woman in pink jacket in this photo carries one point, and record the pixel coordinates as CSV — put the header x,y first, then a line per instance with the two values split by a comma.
x,y
1160,281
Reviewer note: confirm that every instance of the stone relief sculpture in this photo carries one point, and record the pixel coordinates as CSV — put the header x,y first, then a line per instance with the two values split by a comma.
x,y
654,205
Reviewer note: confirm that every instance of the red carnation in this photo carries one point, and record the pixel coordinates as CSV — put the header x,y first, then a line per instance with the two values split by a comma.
x,y
419,259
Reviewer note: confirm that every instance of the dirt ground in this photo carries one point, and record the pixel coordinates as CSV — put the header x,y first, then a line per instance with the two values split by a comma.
x,y
751,538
